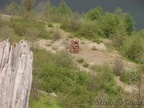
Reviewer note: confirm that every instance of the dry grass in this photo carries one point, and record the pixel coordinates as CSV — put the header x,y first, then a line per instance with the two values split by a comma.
x,y
56,35
118,67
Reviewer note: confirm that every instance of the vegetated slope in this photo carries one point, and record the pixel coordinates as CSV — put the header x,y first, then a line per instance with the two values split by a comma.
x,y
92,53
43,100
52,75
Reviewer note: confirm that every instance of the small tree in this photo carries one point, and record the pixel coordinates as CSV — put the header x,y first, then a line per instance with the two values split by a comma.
x,y
63,9
26,10
135,49
95,14
108,24
118,11
46,11
129,23
28,4
118,38
13,9
72,23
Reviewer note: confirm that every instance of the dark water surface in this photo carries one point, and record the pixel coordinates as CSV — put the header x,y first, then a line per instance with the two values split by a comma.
x,y
134,7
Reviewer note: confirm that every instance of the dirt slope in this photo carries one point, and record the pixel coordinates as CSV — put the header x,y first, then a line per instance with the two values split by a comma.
x,y
91,52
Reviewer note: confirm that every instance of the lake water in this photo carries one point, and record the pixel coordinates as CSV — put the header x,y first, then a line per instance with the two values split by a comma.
x,y
134,7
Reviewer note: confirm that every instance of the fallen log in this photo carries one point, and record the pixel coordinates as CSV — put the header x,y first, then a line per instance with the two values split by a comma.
x,y
15,74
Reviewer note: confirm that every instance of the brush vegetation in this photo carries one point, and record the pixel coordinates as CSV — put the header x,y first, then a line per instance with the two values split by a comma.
x,y
57,72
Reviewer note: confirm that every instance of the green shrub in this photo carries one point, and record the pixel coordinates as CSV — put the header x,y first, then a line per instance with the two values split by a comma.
x,y
88,30
50,25
64,10
104,81
108,84
13,9
43,101
55,73
100,68
32,33
72,23
71,36
3,22
64,60
118,67
97,40
80,60
85,65
118,38
94,14
130,77
6,32
108,24
56,35
133,48
129,23
21,26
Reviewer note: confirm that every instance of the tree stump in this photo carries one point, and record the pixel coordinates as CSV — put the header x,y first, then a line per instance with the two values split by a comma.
x,y
15,74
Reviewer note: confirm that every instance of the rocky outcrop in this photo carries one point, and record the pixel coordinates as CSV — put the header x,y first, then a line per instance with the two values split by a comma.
x,y
15,74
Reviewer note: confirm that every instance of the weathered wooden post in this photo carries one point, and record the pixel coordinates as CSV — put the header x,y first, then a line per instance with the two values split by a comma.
x,y
15,74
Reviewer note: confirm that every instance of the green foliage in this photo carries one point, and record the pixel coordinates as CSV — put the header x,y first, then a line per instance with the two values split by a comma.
x,y
13,9
74,89
56,35
104,84
108,24
50,25
133,48
55,14
63,59
94,14
21,28
130,77
27,4
105,77
97,40
85,64
6,32
129,23
141,32
43,101
87,30
26,10
118,38
64,10
118,11
60,13
80,60
118,67
56,73
32,33
72,23
3,22
47,9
